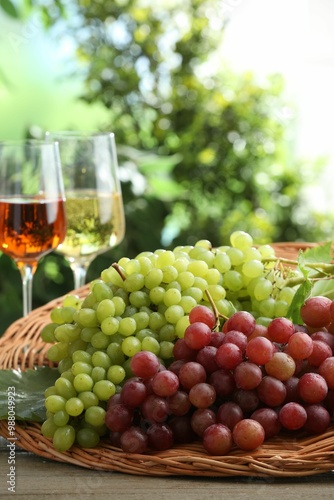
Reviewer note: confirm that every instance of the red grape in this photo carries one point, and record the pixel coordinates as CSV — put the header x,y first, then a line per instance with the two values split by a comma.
x,y
207,358
179,403
300,345
242,321
118,417
248,434
247,375
133,393
269,420
134,440
228,356
280,366
202,395
160,436
320,352
260,350
315,312
144,364
217,439
155,408
223,382
201,419
312,388
272,392
165,383
191,373
326,370
292,416
229,414
197,335
280,330
202,314
318,419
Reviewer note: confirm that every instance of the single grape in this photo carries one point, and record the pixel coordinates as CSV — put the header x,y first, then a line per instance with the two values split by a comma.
x,y
292,416
229,414
160,436
202,395
191,373
197,335
134,440
228,356
318,419
165,383
315,311
202,314
281,366
217,439
269,420
312,388
63,438
248,434
144,364
119,417
247,375
155,408
280,330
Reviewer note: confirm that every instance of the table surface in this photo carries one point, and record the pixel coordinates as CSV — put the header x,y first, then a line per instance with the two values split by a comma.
x,y
38,478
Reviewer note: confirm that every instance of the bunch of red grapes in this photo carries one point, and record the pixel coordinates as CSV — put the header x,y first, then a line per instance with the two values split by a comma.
x,y
231,388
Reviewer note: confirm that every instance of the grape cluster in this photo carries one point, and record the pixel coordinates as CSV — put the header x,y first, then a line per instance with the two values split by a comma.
x,y
236,387
144,304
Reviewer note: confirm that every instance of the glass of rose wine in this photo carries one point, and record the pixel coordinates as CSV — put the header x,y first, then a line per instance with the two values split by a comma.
x,y
32,206
94,203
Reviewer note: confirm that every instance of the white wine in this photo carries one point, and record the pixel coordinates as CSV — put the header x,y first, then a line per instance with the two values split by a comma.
x,y
95,222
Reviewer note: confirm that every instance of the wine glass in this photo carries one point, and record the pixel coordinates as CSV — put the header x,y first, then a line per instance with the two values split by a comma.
x,y
94,203
32,206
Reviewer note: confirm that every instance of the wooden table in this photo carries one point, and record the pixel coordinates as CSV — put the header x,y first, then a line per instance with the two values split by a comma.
x,y
37,478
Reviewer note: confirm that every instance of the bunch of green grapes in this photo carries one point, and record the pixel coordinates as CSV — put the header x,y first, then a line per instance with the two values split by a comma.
x,y
144,304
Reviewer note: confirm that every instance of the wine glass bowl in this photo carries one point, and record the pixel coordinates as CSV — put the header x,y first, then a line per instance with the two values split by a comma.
x,y
32,212
94,203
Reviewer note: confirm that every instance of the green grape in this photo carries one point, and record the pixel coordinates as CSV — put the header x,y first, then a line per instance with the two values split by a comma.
x,y
130,346
156,321
157,295
104,389
252,254
83,382
186,279
87,438
213,277
123,261
116,374
172,296
58,351
74,407
87,333
153,278
132,267
100,340
48,428
134,282
187,303
169,274
145,264
263,288
266,251
115,353
55,403
217,292
200,283
181,326
47,333
105,308
165,258
222,262
150,344
101,291
236,256
65,364
120,305
241,239
194,292
167,333
81,355
101,358
174,313
88,399
86,317
142,319
173,285
50,391
76,345
98,373
287,294
127,326
110,275
266,307
67,332
81,367
146,332
67,374
281,308
129,311
139,299
181,263
88,302
198,268
225,307
233,281
95,416
65,388
109,325
72,300
252,268
64,438
166,349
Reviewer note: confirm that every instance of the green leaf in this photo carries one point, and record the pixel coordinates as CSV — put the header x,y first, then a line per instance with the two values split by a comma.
x,y
9,8
324,287
302,293
26,391
320,253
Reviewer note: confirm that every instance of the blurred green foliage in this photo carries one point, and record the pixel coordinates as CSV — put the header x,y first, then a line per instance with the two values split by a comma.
x,y
203,151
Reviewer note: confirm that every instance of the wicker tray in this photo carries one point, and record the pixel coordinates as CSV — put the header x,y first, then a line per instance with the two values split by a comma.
x,y
282,456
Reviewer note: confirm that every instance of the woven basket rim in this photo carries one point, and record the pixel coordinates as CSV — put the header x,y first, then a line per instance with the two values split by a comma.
x,y
282,456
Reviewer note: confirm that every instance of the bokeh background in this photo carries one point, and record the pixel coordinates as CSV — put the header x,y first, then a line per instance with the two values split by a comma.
x,y
222,111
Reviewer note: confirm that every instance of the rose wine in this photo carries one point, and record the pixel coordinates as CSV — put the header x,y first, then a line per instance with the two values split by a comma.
x,y
30,228
95,222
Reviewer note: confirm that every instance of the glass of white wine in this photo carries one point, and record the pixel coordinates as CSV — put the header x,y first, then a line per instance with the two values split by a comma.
x,y
94,203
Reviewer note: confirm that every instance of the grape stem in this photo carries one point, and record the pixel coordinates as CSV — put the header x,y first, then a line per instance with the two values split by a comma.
x,y
217,314
322,267
118,269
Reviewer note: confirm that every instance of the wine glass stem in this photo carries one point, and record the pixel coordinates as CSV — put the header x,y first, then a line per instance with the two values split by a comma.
x,y
27,273
79,273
